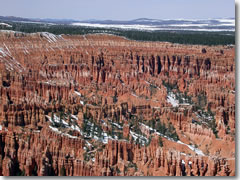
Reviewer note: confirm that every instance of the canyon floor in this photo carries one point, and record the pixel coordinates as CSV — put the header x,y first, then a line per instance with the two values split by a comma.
x,y
103,105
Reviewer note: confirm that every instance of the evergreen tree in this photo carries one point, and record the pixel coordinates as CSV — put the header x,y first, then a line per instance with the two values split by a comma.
x,y
62,171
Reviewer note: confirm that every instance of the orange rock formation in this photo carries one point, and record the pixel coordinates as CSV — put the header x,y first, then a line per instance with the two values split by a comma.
x,y
102,105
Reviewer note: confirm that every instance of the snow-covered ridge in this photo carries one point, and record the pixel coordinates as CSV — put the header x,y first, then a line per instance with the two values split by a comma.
x,y
119,26
10,62
50,37
5,24
196,150
167,24
59,132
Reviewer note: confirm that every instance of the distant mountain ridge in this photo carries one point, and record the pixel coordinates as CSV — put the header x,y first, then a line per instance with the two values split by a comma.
x,y
218,24
46,20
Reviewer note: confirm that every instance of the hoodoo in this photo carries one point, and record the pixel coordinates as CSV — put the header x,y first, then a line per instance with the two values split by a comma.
x,y
103,105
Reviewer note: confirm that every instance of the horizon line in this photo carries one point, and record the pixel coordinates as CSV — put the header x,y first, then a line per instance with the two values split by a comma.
x,y
92,19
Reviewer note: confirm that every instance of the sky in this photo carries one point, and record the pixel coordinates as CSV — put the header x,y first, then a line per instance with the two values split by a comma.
x,y
118,9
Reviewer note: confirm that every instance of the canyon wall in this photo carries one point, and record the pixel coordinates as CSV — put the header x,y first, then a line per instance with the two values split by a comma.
x,y
103,105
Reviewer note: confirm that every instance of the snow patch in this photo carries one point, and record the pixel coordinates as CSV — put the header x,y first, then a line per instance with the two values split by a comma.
x,y
75,117
78,93
117,125
171,98
4,53
141,138
196,150
57,120
54,129
134,95
76,128
89,144
50,37
59,132
118,26
5,24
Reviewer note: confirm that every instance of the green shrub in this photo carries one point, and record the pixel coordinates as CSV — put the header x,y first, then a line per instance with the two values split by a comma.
x,y
160,141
